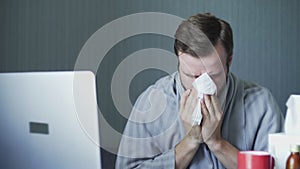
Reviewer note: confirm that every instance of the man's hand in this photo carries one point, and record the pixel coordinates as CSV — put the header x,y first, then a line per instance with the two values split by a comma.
x,y
212,119
186,148
188,103
209,131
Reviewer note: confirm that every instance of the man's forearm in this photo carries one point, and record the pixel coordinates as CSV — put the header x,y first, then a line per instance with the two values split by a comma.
x,y
185,151
225,152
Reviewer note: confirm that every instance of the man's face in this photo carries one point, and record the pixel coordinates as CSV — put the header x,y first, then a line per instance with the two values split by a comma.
x,y
214,64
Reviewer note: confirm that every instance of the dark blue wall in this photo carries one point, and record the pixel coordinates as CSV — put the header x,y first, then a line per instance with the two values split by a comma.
x,y
42,35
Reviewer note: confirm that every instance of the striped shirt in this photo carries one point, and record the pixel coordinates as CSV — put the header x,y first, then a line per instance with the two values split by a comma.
x,y
154,127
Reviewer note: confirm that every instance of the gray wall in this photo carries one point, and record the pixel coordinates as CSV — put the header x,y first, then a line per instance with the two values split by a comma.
x,y
43,35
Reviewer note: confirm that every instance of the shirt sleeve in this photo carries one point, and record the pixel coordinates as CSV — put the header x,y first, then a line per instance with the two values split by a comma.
x,y
143,145
164,160
263,117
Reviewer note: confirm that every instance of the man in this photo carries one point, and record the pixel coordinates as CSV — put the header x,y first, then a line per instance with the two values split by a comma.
x,y
239,116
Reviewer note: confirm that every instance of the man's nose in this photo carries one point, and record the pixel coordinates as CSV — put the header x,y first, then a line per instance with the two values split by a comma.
x,y
196,76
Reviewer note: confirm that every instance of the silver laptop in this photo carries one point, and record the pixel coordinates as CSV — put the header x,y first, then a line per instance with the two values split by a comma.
x,y
49,120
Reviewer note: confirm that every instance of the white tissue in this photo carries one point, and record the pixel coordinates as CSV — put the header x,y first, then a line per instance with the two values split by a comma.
x,y
292,119
204,85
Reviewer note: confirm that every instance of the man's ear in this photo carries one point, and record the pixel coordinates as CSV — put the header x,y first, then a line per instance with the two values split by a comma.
x,y
229,60
179,53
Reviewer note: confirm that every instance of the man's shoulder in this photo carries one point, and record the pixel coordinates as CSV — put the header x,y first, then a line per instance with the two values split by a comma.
x,y
249,87
255,94
164,84
166,81
254,89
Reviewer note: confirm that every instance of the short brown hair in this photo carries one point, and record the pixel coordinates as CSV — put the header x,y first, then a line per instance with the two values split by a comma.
x,y
200,33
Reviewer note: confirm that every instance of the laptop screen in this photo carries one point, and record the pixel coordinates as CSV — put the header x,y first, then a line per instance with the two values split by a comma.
x,y
49,120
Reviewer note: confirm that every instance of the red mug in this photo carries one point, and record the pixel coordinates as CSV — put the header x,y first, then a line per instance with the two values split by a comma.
x,y
255,160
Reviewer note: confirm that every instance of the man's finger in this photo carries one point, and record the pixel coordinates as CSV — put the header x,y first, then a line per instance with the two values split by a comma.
x,y
204,110
209,105
191,99
184,97
216,104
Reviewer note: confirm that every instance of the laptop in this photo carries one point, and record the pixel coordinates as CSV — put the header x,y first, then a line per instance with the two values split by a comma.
x,y
49,120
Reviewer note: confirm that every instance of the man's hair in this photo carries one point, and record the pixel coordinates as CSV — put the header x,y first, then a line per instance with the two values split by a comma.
x,y
199,34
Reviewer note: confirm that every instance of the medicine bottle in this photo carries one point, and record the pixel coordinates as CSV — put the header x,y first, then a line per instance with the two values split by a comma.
x,y
293,161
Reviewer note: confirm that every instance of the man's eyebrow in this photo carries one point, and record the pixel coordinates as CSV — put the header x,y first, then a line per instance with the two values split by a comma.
x,y
188,74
